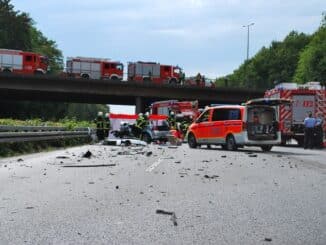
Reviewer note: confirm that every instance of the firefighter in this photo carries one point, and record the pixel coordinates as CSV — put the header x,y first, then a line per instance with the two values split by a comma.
x,y
99,126
172,120
107,124
319,131
309,125
141,123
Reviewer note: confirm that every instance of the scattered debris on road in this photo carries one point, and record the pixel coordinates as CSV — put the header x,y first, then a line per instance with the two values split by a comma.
x,y
252,155
90,166
173,216
88,154
149,153
29,207
62,157
223,156
211,177
19,160
267,239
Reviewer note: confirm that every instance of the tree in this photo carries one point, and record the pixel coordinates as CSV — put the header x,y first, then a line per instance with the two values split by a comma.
x,y
14,27
312,63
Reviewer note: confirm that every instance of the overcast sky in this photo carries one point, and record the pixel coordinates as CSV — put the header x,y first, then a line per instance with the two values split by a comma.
x,y
199,35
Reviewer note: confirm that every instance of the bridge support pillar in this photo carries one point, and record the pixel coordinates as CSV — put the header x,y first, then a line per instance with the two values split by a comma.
x,y
140,108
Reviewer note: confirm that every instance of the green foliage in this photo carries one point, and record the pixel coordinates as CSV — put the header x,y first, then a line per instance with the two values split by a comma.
x,y
276,63
65,122
312,63
17,31
14,27
42,45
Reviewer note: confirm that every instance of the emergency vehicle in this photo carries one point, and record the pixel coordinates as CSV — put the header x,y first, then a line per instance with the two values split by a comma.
x,y
94,68
254,124
185,108
309,97
21,62
154,72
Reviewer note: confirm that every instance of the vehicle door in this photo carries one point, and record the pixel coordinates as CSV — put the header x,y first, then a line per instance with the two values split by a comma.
x,y
217,130
202,127
29,63
271,103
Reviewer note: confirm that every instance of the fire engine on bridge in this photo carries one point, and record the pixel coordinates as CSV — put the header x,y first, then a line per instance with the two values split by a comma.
x,y
21,62
154,72
309,97
94,68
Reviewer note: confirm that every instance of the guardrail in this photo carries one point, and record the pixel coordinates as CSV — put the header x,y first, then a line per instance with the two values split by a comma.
x,y
40,133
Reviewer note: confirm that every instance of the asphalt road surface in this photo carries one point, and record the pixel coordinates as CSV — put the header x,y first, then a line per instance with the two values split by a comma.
x,y
120,195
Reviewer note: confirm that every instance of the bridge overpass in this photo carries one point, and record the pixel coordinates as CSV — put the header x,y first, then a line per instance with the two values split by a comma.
x,y
60,89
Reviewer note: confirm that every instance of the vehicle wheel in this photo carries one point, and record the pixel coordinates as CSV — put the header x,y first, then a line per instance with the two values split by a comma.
x,y
85,76
192,142
230,143
114,78
223,147
266,147
147,138
6,71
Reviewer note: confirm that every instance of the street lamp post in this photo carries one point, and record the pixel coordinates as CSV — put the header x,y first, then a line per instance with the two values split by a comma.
x,y
251,24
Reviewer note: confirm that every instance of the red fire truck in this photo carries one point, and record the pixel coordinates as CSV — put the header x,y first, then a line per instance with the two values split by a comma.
x,y
310,97
94,68
20,62
186,108
154,72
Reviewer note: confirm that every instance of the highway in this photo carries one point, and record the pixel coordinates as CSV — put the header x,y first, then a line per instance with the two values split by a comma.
x,y
120,194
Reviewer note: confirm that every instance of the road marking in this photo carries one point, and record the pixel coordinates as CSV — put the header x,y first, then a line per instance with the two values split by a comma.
x,y
154,165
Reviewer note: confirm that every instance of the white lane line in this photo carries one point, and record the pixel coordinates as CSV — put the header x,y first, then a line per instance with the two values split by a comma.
x,y
154,165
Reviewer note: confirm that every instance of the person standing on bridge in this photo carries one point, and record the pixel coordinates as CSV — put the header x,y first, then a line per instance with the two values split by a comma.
x,y
309,125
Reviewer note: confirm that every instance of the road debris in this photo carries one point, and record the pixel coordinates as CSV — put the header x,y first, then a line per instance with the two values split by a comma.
x,y
89,166
29,207
88,154
117,187
223,156
62,157
149,153
267,239
211,177
252,155
173,216
20,160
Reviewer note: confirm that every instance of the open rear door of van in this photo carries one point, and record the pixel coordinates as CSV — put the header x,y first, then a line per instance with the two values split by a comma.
x,y
269,102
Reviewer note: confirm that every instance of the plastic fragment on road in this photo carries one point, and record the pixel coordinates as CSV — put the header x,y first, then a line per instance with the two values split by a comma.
x,y
90,166
124,142
88,154
172,214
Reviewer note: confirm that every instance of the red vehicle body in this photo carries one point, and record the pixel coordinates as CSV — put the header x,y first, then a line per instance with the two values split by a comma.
x,y
20,62
94,68
185,108
184,111
310,97
154,72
